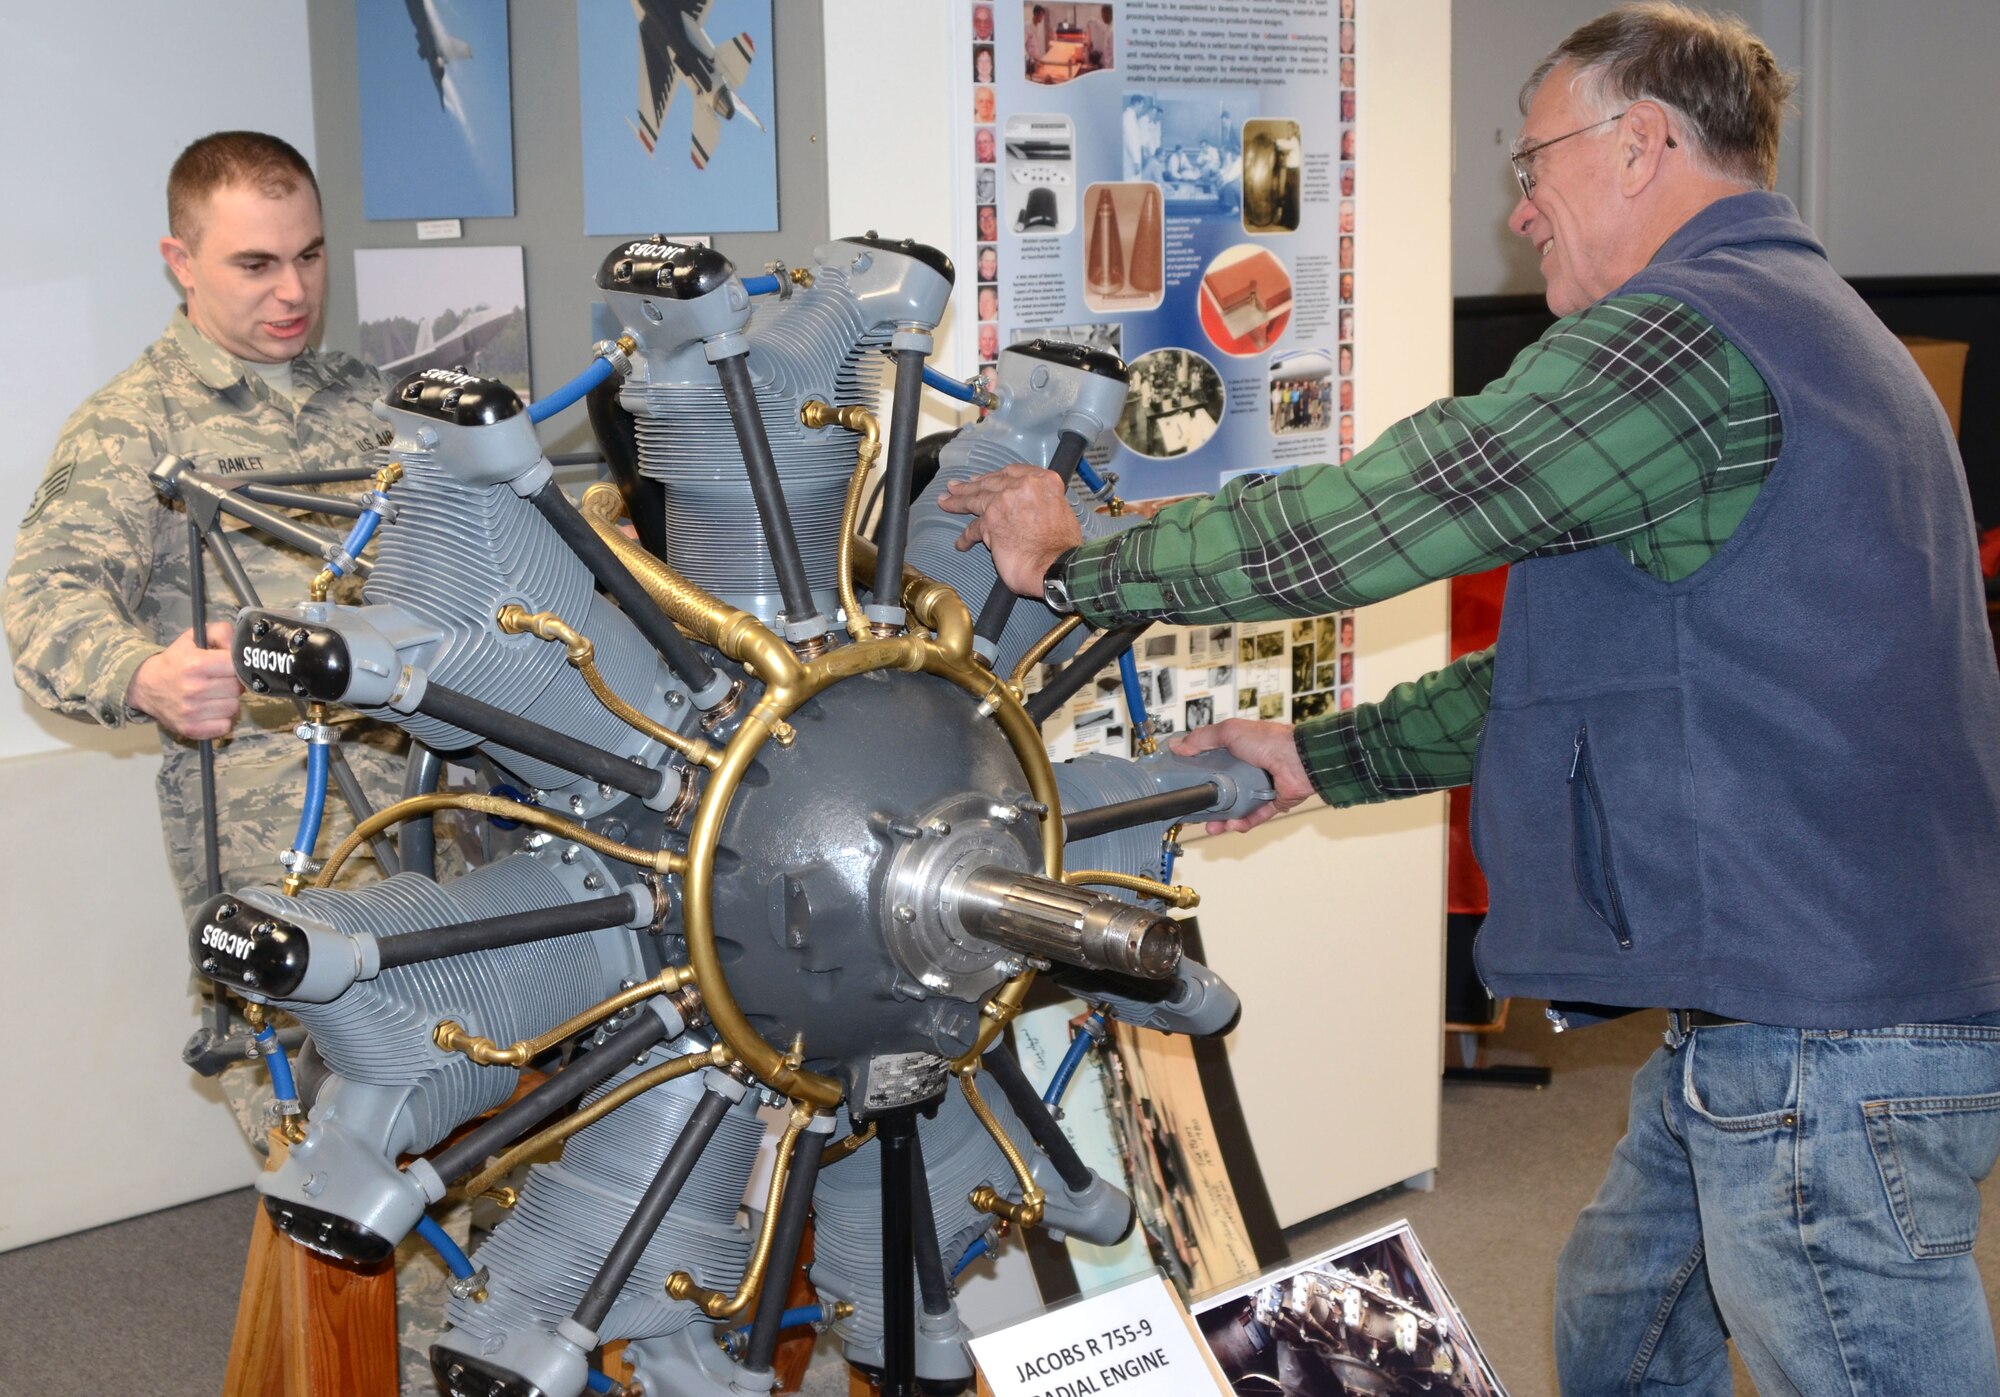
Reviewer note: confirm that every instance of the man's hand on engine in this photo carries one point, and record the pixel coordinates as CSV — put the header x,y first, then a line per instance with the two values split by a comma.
x,y
189,691
1023,516
1268,745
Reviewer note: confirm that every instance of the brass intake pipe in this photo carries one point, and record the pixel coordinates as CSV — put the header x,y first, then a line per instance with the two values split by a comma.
x,y
713,1303
515,619
452,1038
856,419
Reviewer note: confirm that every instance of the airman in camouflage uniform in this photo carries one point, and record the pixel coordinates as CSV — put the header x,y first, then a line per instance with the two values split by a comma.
x,y
98,604
100,580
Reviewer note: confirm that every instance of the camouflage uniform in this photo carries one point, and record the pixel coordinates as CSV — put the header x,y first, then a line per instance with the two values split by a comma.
x,y
100,583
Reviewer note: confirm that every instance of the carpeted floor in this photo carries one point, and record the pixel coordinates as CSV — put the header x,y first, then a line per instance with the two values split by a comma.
x,y
144,1308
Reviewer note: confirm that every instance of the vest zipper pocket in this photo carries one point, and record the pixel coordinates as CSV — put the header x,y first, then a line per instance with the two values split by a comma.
x,y
1591,836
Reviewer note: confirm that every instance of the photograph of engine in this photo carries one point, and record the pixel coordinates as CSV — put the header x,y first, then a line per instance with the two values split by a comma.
x,y
1372,1320
770,824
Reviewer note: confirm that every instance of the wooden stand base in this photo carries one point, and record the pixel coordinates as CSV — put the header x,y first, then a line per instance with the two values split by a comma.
x,y
307,1326
310,1327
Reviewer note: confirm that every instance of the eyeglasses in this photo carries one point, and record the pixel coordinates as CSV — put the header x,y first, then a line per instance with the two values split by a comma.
x,y
1520,158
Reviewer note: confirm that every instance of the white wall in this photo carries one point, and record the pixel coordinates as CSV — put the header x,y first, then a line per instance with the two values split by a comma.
x,y
1909,157
95,101
1497,46
1913,147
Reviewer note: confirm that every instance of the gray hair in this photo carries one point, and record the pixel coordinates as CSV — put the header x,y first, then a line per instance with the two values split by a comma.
x,y
1709,70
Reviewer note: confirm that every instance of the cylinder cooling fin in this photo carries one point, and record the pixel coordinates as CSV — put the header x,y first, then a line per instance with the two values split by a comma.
x,y
745,870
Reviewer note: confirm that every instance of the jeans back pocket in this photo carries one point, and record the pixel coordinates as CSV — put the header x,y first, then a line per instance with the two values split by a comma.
x,y
1932,1152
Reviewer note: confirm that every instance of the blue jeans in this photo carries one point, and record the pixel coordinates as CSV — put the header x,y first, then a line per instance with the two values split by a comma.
x,y
1812,1194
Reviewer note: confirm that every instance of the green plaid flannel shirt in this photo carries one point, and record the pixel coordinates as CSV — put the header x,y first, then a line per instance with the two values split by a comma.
x,y
1633,423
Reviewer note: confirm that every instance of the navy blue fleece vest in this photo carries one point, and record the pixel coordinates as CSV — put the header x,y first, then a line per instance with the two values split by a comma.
x,y
1772,789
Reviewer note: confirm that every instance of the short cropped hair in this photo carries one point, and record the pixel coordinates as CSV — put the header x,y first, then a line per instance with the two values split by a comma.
x,y
1710,70
226,158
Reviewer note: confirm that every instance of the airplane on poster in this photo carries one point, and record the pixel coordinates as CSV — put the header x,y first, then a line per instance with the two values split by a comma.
x,y
435,44
675,52
456,349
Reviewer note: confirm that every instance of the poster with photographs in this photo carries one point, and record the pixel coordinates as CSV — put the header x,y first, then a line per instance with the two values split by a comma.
x,y
693,148
1322,655
437,116
444,308
1191,676
1187,173
1263,670
1370,1316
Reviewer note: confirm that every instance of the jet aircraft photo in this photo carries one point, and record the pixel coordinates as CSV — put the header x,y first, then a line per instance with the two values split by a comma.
x,y
676,52
436,46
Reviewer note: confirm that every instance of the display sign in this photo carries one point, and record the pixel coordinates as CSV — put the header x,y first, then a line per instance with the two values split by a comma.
x,y
1174,182
1135,1339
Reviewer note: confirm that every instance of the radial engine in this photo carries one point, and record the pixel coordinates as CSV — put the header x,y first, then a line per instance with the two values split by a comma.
x,y
771,824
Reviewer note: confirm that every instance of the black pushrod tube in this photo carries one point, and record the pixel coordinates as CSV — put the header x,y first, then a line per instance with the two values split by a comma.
x,y
892,533
560,1089
933,1286
896,1135
211,844
622,587
337,476
224,553
765,487
543,743
785,1243
1140,810
319,545
652,1210
999,604
1042,1126
1079,671
509,929
211,853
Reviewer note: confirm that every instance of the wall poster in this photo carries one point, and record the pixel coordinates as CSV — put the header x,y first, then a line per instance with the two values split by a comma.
x,y
437,115
1191,676
1175,182
444,308
694,146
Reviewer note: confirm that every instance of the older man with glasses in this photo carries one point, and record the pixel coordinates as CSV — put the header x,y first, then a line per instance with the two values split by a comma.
x,y
1737,750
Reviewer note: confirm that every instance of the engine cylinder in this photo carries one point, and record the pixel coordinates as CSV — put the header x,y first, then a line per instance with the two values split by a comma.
x,y
543,1255
454,555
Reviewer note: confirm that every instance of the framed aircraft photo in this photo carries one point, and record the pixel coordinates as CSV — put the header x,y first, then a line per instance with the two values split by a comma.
x,y
437,120
444,308
679,126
